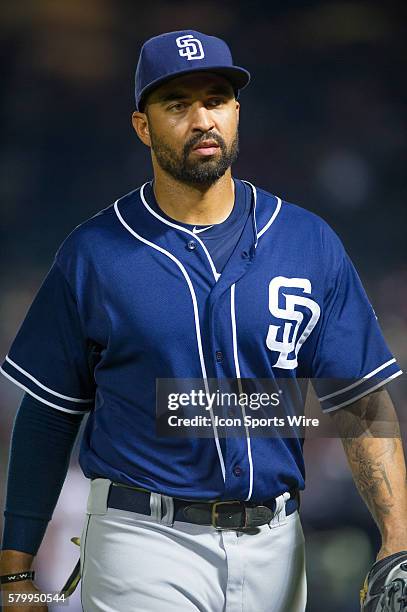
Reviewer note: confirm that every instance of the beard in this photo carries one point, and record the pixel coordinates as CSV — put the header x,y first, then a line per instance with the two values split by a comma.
x,y
203,171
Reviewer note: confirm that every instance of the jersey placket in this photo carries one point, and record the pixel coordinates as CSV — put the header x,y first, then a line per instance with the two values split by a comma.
x,y
224,359
214,298
189,250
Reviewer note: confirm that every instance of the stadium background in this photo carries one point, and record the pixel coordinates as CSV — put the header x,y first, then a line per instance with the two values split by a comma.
x,y
322,125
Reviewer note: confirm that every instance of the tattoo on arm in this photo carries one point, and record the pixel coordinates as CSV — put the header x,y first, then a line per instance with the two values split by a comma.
x,y
370,473
370,432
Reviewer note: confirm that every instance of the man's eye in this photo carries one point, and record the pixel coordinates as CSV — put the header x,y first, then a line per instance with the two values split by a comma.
x,y
215,101
177,106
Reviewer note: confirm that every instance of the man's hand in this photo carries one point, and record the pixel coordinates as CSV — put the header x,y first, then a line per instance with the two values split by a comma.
x,y
385,587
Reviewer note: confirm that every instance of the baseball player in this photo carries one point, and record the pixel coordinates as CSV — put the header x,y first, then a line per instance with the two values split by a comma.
x,y
194,275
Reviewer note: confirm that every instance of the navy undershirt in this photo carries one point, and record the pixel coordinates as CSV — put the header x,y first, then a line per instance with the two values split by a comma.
x,y
220,239
43,437
41,445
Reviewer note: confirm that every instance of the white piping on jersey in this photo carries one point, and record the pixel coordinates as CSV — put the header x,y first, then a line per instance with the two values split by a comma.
x,y
37,382
254,190
37,397
366,392
182,229
359,382
237,368
196,317
272,218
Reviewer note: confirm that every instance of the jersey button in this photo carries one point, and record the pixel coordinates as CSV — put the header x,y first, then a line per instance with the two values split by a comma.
x,y
219,356
191,245
237,470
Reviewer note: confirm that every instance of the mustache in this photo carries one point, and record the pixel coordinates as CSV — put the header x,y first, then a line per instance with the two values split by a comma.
x,y
199,138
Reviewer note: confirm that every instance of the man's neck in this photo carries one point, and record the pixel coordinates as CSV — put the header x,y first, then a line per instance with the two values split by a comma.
x,y
195,205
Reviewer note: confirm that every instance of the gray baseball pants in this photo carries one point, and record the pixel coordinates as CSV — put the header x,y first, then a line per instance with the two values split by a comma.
x,y
135,563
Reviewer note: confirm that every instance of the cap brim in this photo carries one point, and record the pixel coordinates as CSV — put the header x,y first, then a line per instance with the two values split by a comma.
x,y
237,76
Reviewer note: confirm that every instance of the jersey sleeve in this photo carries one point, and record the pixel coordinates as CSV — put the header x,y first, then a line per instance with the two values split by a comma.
x,y
49,356
351,358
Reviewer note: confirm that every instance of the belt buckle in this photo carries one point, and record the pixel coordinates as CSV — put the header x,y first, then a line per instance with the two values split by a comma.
x,y
215,514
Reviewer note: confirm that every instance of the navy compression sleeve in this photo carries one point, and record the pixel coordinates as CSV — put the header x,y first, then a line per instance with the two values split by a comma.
x,y
41,445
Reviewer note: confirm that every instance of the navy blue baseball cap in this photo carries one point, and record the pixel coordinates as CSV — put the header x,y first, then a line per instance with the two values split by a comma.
x,y
175,53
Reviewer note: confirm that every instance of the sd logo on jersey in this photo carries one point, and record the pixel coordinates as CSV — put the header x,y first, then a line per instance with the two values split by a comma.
x,y
290,343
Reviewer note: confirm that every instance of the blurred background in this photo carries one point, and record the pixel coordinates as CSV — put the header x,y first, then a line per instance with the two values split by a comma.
x,y
323,125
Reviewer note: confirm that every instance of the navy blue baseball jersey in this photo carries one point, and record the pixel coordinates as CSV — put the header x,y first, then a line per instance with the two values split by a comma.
x,y
133,296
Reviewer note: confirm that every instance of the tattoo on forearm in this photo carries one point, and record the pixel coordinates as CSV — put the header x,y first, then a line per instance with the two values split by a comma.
x,y
371,459
370,474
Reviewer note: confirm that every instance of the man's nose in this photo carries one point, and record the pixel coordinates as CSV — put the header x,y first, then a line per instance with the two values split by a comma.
x,y
202,119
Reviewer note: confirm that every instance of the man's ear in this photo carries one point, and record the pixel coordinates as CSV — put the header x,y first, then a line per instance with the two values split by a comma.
x,y
140,125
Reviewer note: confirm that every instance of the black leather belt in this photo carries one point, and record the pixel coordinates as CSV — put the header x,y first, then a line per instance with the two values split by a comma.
x,y
232,514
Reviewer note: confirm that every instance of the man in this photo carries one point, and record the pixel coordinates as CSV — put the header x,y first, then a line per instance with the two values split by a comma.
x,y
195,275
